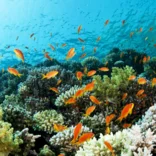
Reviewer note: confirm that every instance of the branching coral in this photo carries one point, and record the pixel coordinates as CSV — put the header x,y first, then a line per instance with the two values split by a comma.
x,y
64,96
150,68
44,120
8,142
63,139
15,113
120,58
123,142
149,120
45,151
9,82
109,89
28,142
91,63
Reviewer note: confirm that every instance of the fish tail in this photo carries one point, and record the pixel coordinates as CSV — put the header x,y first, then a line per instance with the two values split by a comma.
x,y
119,119
73,141
19,75
43,76
113,154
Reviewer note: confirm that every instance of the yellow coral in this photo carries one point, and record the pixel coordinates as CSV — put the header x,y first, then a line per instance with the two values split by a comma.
x,y
7,141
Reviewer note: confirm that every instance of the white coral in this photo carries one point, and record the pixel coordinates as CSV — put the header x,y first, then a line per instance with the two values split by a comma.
x,y
65,137
60,100
137,141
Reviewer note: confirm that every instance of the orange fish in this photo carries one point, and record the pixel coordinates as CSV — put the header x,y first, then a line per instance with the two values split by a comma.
x,y
109,146
54,89
123,22
105,69
124,96
91,73
148,58
153,82
58,82
126,125
83,55
80,39
94,50
14,72
77,131
79,75
131,34
89,87
89,110
140,30
98,39
61,154
154,45
64,45
144,59
70,101
70,53
52,47
85,137
125,111
59,128
79,29
140,92
46,55
141,80
106,22
107,131
109,118
83,47
95,100
50,74
132,77
19,54
79,93
150,29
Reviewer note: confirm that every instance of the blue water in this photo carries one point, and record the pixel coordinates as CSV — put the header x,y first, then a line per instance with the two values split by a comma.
x,y
61,19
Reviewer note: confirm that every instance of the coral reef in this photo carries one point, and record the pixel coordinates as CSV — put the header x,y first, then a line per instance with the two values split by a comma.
x,y
45,151
91,63
150,68
123,142
109,89
29,109
44,120
121,58
63,139
28,142
10,82
8,142
60,101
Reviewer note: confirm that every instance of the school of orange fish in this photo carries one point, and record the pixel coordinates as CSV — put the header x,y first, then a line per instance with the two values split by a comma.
x,y
127,109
